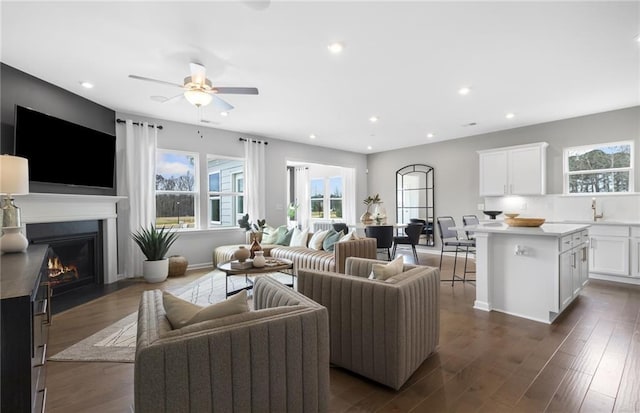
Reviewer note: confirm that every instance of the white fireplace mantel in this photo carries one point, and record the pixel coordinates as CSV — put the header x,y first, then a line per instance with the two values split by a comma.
x,y
44,207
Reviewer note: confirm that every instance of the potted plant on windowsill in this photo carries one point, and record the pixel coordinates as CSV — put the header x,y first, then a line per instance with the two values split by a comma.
x,y
155,243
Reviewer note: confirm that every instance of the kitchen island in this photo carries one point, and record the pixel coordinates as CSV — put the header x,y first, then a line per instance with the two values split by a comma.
x,y
534,273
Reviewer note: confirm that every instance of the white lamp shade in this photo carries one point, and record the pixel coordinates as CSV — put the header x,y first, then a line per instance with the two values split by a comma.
x,y
14,175
198,97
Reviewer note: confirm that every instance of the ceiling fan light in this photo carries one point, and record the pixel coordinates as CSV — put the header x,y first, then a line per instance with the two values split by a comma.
x,y
198,97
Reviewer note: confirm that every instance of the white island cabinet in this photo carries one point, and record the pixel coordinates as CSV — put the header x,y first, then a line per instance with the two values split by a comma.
x,y
533,273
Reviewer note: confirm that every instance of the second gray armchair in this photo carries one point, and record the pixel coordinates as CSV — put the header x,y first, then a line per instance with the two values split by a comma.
x,y
378,329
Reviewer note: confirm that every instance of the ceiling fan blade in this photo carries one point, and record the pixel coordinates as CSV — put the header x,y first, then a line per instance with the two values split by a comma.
x,y
198,73
174,99
155,81
237,90
221,104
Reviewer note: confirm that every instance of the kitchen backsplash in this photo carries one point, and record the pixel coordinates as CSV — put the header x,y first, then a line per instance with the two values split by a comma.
x,y
563,208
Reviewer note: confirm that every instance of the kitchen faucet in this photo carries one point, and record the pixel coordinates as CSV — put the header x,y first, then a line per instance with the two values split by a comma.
x,y
593,207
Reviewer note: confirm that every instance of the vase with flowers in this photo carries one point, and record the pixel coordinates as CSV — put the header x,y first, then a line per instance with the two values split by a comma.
x,y
371,201
256,230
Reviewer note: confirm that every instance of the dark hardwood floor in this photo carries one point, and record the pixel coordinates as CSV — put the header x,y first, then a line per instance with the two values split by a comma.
x,y
588,360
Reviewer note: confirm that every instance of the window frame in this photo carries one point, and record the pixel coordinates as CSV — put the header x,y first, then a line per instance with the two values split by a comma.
x,y
566,174
220,193
327,198
196,184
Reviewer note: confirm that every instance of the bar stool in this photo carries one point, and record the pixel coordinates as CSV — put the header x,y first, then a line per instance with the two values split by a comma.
x,y
450,243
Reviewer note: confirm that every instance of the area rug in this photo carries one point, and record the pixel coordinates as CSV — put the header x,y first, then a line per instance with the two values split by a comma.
x,y
117,342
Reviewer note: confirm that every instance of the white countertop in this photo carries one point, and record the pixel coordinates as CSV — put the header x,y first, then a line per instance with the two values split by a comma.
x,y
600,222
554,230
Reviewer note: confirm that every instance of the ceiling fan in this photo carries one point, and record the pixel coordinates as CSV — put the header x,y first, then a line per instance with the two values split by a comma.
x,y
199,91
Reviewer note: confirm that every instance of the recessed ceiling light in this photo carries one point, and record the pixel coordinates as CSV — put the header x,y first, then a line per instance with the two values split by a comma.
x,y
86,85
335,47
430,135
369,147
464,90
224,114
312,136
373,119
510,115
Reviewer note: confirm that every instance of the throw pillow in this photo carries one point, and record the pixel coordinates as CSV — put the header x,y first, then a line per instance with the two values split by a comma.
x,y
270,234
182,313
330,240
350,236
315,243
285,237
299,237
384,271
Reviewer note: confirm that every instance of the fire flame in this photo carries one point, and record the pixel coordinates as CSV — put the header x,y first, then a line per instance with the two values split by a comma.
x,y
57,269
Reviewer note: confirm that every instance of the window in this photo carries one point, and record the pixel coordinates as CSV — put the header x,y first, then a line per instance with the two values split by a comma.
x,y
317,198
603,168
326,198
226,191
176,184
335,197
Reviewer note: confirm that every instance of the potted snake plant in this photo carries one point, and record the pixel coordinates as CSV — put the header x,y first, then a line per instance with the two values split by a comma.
x,y
154,243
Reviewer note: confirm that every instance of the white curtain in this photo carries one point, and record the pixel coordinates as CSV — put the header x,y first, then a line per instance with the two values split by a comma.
x,y
255,181
302,196
349,195
136,181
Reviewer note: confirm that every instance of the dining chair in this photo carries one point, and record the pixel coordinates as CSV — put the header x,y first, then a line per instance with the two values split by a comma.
x,y
412,238
384,236
451,243
341,226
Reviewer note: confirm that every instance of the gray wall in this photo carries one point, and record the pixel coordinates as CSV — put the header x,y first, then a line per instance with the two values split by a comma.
x,y
456,161
197,246
19,88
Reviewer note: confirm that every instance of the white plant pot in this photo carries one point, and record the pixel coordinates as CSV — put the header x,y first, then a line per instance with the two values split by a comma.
x,y
155,271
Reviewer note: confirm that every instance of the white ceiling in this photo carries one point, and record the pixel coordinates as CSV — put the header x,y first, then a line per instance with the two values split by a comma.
x,y
402,62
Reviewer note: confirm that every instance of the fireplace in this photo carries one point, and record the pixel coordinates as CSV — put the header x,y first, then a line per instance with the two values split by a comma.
x,y
75,252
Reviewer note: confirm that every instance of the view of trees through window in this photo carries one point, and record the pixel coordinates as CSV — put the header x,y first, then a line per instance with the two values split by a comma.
x,y
326,189
226,191
176,185
602,168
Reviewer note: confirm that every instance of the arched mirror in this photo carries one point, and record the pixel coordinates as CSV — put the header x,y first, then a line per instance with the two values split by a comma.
x,y
414,199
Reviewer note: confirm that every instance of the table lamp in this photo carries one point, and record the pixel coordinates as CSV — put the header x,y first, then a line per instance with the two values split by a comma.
x,y
14,180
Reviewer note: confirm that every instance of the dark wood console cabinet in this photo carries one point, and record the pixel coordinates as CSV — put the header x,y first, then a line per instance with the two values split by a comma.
x,y
24,321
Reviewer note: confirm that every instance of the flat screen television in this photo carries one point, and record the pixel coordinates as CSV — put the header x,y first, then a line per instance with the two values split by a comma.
x,y
62,152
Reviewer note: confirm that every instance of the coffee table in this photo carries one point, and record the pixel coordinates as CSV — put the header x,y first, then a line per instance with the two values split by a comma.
x,y
281,265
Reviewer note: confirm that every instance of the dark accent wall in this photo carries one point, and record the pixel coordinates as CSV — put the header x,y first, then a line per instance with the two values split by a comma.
x,y
20,88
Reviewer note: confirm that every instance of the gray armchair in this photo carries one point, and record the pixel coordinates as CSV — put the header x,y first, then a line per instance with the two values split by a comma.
x,y
379,329
275,358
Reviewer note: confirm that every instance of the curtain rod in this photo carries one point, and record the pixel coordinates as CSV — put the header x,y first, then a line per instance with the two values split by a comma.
x,y
151,125
253,140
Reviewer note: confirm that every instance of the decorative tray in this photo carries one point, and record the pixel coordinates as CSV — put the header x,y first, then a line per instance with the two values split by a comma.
x,y
524,222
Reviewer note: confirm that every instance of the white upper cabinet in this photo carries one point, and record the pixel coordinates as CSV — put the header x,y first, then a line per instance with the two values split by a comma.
x,y
515,170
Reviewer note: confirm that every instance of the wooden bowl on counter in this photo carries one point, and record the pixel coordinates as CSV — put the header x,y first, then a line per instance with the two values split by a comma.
x,y
510,214
524,222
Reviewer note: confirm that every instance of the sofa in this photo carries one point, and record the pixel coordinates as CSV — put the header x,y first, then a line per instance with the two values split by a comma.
x,y
304,257
275,358
382,330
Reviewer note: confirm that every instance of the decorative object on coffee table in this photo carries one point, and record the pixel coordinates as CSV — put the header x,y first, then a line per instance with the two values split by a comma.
x,y
258,260
177,265
242,253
